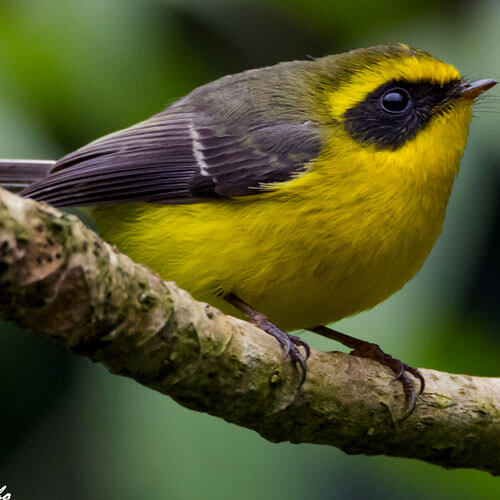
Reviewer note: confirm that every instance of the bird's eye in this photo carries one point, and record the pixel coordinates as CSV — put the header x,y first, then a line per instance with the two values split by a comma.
x,y
395,100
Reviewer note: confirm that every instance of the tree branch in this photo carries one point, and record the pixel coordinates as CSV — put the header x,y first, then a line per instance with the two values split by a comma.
x,y
61,280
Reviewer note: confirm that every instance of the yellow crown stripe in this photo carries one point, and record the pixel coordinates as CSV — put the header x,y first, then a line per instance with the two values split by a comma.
x,y
368,78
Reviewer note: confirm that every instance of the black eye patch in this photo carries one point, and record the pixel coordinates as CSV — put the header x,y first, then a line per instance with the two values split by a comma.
x,y
396,111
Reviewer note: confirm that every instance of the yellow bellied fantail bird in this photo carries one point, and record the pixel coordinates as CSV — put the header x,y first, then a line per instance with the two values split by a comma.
x,y
295,194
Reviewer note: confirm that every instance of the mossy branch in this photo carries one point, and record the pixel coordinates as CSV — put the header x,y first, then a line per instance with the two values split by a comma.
x,y
59,279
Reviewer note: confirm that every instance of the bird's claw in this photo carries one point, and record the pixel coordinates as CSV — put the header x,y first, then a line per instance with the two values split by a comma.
x,y
291,344
300,343
373,351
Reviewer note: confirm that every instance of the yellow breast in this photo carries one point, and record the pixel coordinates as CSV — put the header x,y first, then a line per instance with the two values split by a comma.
x,y
336,241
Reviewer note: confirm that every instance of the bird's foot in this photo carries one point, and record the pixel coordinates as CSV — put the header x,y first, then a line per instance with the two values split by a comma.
x,y
373,351
400,369
290,343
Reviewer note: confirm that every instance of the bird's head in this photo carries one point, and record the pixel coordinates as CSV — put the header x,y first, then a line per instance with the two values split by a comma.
x,y
394,105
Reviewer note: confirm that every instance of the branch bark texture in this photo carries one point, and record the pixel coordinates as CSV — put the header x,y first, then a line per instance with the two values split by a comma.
x,y
59,279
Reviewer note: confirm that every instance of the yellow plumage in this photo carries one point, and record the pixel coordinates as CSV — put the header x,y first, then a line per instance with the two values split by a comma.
x,y
342,237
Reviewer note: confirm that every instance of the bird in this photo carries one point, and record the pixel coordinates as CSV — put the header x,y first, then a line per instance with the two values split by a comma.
x,y
294,195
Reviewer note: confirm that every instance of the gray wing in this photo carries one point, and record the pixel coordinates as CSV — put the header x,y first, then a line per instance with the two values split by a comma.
x,y
180,157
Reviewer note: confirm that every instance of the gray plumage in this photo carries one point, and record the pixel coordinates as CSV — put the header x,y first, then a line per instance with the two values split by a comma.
x,y
232,137
16,175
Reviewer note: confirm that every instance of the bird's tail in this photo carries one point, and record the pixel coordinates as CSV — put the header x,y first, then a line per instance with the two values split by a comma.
x,y
15,175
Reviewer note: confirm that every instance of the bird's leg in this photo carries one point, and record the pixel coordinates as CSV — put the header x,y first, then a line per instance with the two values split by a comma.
x,y
373,351
290,343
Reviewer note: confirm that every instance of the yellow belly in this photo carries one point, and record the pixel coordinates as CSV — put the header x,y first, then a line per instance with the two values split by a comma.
x,y
336,241
302,259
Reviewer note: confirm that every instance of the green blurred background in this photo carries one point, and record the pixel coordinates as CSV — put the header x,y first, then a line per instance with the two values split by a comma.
x,y
72,70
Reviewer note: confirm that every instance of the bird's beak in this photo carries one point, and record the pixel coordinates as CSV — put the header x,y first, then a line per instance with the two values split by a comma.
x,y
474,89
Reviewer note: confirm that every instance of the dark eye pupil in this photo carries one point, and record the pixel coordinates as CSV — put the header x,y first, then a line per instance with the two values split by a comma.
x,y
395,100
